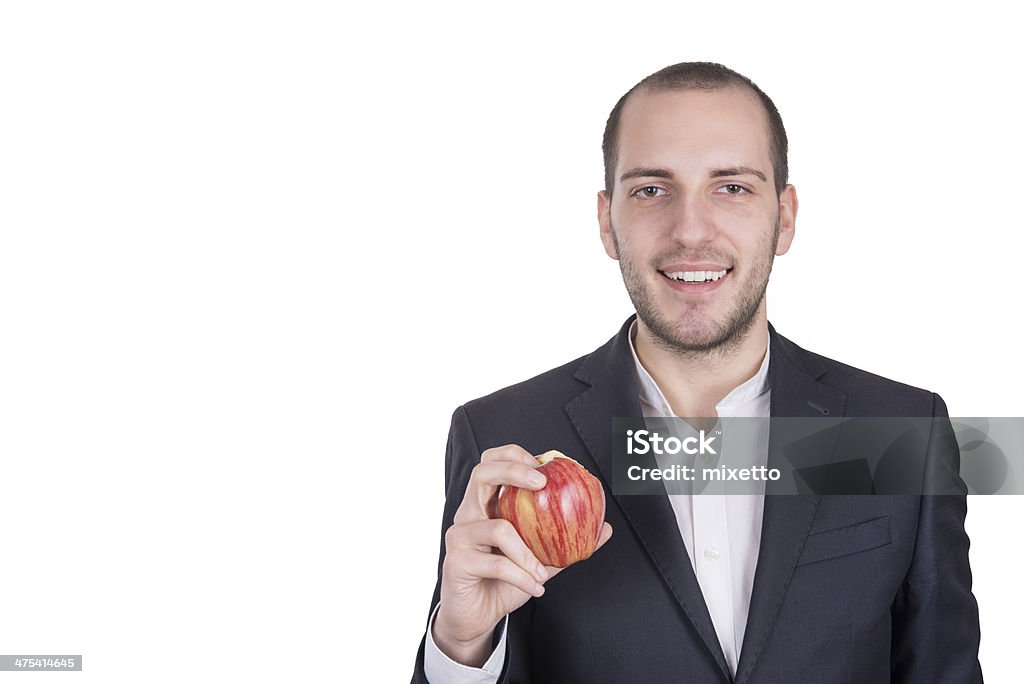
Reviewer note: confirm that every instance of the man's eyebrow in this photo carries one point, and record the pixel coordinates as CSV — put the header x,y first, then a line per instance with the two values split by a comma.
x,y
739,171
642,172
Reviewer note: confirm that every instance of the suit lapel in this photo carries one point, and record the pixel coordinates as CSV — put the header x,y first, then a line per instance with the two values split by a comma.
x,y
787,518
613,392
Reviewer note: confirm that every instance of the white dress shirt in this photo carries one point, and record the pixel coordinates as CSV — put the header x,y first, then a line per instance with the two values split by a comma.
x,y
721,533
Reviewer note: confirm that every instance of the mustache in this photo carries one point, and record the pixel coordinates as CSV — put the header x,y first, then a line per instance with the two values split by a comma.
x,y
712,255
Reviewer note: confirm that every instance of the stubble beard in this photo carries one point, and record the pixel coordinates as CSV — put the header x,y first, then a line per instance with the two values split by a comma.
x,y
694,335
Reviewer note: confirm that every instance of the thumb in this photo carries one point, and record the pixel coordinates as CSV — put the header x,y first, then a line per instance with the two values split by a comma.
x,y
606,534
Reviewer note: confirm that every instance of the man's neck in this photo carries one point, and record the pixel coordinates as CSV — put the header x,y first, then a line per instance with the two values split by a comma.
x,y
695,384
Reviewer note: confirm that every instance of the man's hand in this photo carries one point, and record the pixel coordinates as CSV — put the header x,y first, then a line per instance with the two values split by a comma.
x,y
488,571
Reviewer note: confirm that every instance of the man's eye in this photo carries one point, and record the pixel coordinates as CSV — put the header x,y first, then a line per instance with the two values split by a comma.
x,y
649,191
734,189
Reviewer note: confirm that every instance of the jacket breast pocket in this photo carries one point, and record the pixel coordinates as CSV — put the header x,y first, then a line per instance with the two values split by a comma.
x,y
846,541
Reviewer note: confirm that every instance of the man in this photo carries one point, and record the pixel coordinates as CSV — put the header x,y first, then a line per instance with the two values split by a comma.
x,y
754,588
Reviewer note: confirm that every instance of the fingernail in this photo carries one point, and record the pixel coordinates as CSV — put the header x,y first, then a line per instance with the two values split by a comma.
x,y
542,572
536,478
538,590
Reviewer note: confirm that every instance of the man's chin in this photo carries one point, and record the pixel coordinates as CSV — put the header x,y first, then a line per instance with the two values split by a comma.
x,y
697,342
689,337
696,335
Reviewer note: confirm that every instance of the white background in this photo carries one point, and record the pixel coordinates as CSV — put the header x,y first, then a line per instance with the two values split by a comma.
x,y
253,255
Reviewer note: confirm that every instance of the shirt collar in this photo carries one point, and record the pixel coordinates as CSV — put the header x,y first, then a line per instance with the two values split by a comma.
x,y
746,392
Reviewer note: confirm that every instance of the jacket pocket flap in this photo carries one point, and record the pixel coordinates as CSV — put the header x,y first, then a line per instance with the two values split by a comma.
x,y
846,541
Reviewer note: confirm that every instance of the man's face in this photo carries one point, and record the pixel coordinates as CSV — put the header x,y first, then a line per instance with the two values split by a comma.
x,y
694,219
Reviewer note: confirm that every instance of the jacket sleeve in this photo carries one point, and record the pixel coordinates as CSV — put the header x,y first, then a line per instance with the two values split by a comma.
x,y
935,628
461,456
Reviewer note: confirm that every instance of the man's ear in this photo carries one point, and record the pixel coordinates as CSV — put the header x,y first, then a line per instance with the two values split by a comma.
x,y
788,205
604,220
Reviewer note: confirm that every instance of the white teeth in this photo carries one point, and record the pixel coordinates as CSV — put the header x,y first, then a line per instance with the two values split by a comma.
x,y
696,276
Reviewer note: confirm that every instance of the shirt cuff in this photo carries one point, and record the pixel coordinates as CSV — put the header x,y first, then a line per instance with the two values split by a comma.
x,y
440,669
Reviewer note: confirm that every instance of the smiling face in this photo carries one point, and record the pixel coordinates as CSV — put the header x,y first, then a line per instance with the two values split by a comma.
x,y
694,219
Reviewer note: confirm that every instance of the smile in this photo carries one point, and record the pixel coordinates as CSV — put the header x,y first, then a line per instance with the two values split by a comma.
x,y
696,276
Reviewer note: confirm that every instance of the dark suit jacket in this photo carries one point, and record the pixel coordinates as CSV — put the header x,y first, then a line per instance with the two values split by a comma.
x,y
847,588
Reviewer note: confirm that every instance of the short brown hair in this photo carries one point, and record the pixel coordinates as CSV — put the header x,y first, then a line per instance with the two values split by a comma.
x,y
699,76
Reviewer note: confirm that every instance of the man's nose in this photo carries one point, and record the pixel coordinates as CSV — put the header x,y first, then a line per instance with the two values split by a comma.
x,y
693,222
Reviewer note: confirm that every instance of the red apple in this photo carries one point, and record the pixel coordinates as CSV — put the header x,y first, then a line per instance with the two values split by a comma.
x,y
562,522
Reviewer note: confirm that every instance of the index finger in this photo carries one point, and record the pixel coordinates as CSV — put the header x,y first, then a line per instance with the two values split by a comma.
x,y
509,452
505,465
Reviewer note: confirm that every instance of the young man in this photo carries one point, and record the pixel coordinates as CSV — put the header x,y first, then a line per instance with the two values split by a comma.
x,y
746,588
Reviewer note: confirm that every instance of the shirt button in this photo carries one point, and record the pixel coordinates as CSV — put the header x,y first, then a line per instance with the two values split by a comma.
x,y
711,553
